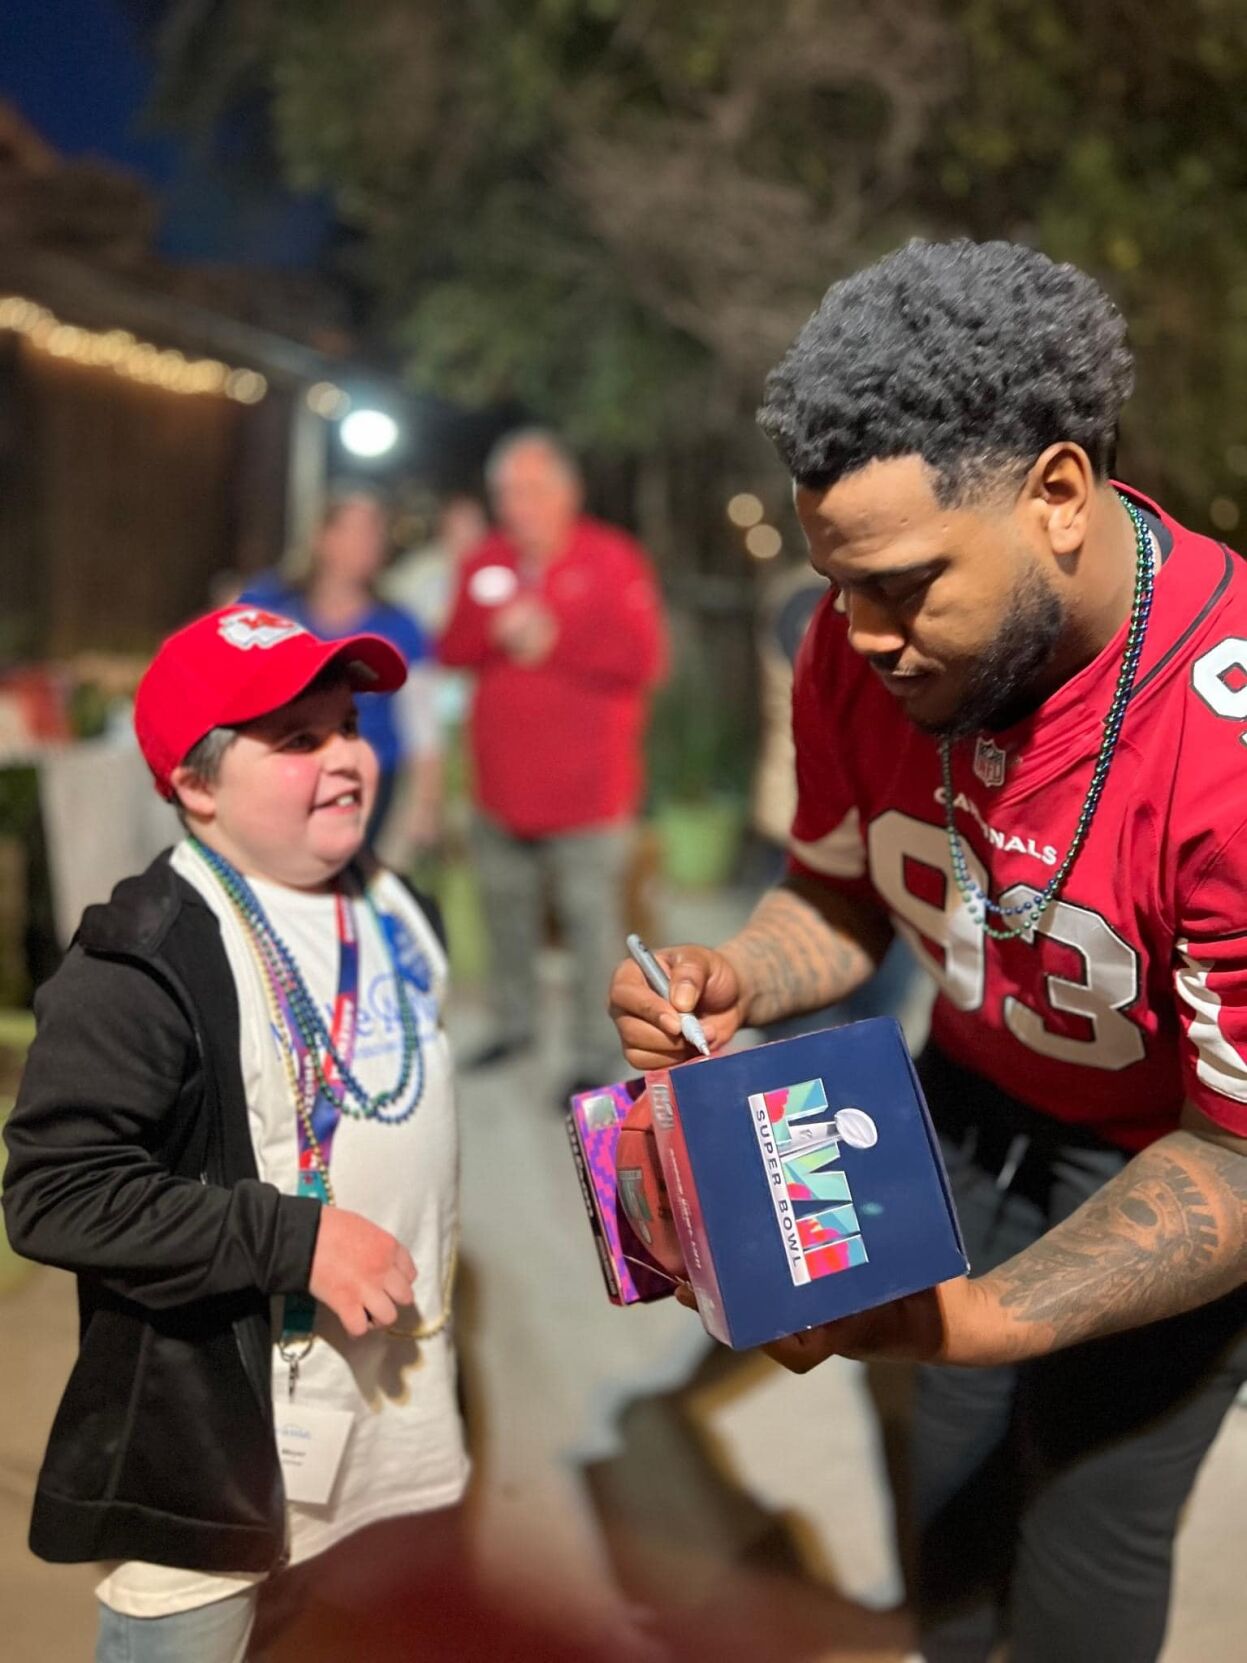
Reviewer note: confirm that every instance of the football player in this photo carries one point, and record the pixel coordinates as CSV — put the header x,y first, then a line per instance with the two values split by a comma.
x,y
1020,717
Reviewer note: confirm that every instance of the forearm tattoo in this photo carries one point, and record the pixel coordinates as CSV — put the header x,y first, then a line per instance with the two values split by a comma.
x,y
1168,1233
803,948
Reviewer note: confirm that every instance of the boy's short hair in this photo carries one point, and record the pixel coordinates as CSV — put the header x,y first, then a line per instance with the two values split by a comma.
x,y
206,755
204,760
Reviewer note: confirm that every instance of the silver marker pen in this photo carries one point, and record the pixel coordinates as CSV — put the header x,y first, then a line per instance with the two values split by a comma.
x,y
657,978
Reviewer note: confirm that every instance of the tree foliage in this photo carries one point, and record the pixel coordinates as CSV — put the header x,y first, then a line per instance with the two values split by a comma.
x,y
619,211
1113,133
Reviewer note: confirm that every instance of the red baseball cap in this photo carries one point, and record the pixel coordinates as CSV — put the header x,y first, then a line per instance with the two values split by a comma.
x,y
234,665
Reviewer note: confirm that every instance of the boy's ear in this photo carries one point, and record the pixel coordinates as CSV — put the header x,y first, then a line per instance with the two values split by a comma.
x,y
196,796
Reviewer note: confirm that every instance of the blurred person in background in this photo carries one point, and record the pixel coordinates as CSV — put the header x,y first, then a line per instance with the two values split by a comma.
x,y
788,604
559,617
340,596
422,580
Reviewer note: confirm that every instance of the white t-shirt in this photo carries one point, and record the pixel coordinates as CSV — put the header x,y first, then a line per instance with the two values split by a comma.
x,y
405,1453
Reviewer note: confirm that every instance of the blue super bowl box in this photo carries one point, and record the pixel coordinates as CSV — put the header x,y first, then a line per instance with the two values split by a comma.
x,y
805,1179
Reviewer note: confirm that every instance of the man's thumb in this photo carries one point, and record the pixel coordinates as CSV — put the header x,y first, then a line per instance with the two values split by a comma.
x,y
688,979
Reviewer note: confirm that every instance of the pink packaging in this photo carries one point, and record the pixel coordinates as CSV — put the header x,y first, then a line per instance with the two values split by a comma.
x,y
631,1274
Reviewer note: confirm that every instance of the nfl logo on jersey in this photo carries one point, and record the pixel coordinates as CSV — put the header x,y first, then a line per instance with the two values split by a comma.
x,y
989,761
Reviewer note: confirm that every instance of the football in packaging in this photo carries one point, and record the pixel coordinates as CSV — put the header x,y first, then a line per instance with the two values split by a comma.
x,y
801,1181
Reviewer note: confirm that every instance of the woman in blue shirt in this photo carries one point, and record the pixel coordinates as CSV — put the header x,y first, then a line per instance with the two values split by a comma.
x,y
338,597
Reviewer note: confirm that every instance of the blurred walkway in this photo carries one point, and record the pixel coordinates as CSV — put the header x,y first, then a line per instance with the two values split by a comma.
x,y
624,1463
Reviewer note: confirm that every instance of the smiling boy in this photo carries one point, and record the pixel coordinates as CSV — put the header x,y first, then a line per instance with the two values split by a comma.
x,y
236,1126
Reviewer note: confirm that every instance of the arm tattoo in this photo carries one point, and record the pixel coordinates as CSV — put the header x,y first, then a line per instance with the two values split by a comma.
x,y
1168,1233
805,946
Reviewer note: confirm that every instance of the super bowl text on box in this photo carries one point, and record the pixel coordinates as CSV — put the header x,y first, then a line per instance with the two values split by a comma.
x,y
810,1193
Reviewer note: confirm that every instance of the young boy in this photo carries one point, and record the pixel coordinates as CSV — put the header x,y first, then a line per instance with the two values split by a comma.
x,y
236,1126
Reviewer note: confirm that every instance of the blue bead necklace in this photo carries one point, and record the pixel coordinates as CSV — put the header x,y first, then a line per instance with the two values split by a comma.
x,y
282,969
978,902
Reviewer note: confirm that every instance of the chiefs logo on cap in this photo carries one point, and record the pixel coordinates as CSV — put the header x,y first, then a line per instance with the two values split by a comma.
x,y
254,628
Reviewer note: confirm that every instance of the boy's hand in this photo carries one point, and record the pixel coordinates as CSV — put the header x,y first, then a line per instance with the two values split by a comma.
x,y
703,980
360,1271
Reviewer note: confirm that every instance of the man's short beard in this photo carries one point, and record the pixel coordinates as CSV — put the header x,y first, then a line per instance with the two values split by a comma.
x,y
1000,689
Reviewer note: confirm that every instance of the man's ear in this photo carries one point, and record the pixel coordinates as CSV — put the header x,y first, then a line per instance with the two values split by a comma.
x,y
1059,492
196,796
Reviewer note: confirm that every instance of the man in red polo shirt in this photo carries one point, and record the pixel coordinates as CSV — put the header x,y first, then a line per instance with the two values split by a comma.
x,y
560,618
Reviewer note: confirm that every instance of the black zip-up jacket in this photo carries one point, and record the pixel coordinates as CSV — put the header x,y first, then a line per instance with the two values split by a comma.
x,y
131,1163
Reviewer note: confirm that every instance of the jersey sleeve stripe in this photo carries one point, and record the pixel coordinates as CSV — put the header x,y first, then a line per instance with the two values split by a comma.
x,y
839,853
1219,1064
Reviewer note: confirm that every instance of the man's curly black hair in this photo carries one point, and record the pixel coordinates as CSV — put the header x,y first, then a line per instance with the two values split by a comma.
x,y
974,356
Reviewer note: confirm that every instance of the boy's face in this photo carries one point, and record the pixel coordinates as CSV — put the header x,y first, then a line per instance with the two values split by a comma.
x,y
292,799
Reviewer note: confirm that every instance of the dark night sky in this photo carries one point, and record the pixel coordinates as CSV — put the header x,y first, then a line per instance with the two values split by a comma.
x,y
78,71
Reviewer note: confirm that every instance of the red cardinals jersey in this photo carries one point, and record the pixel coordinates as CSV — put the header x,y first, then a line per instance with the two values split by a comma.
x,y
1131,992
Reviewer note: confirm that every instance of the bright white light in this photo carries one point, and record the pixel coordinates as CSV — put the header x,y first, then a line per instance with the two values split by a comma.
x,y
369,432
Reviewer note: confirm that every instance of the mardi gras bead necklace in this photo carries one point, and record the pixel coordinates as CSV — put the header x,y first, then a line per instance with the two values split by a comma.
x,y
303,1092
280,965
307,1080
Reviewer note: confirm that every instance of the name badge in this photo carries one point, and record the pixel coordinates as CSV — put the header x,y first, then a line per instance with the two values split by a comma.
x,y
310,1444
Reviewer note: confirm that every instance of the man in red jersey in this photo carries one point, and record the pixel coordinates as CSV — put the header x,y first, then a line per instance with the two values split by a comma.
x,y
1020,718
560,618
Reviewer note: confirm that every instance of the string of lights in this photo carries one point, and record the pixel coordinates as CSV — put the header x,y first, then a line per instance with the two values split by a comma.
x,y
125,355
118,350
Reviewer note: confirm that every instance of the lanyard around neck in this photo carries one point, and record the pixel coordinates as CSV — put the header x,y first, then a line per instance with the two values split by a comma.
x,y
317,1127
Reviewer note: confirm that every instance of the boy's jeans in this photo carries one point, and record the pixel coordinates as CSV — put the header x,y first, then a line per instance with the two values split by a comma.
x,y
216,1633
